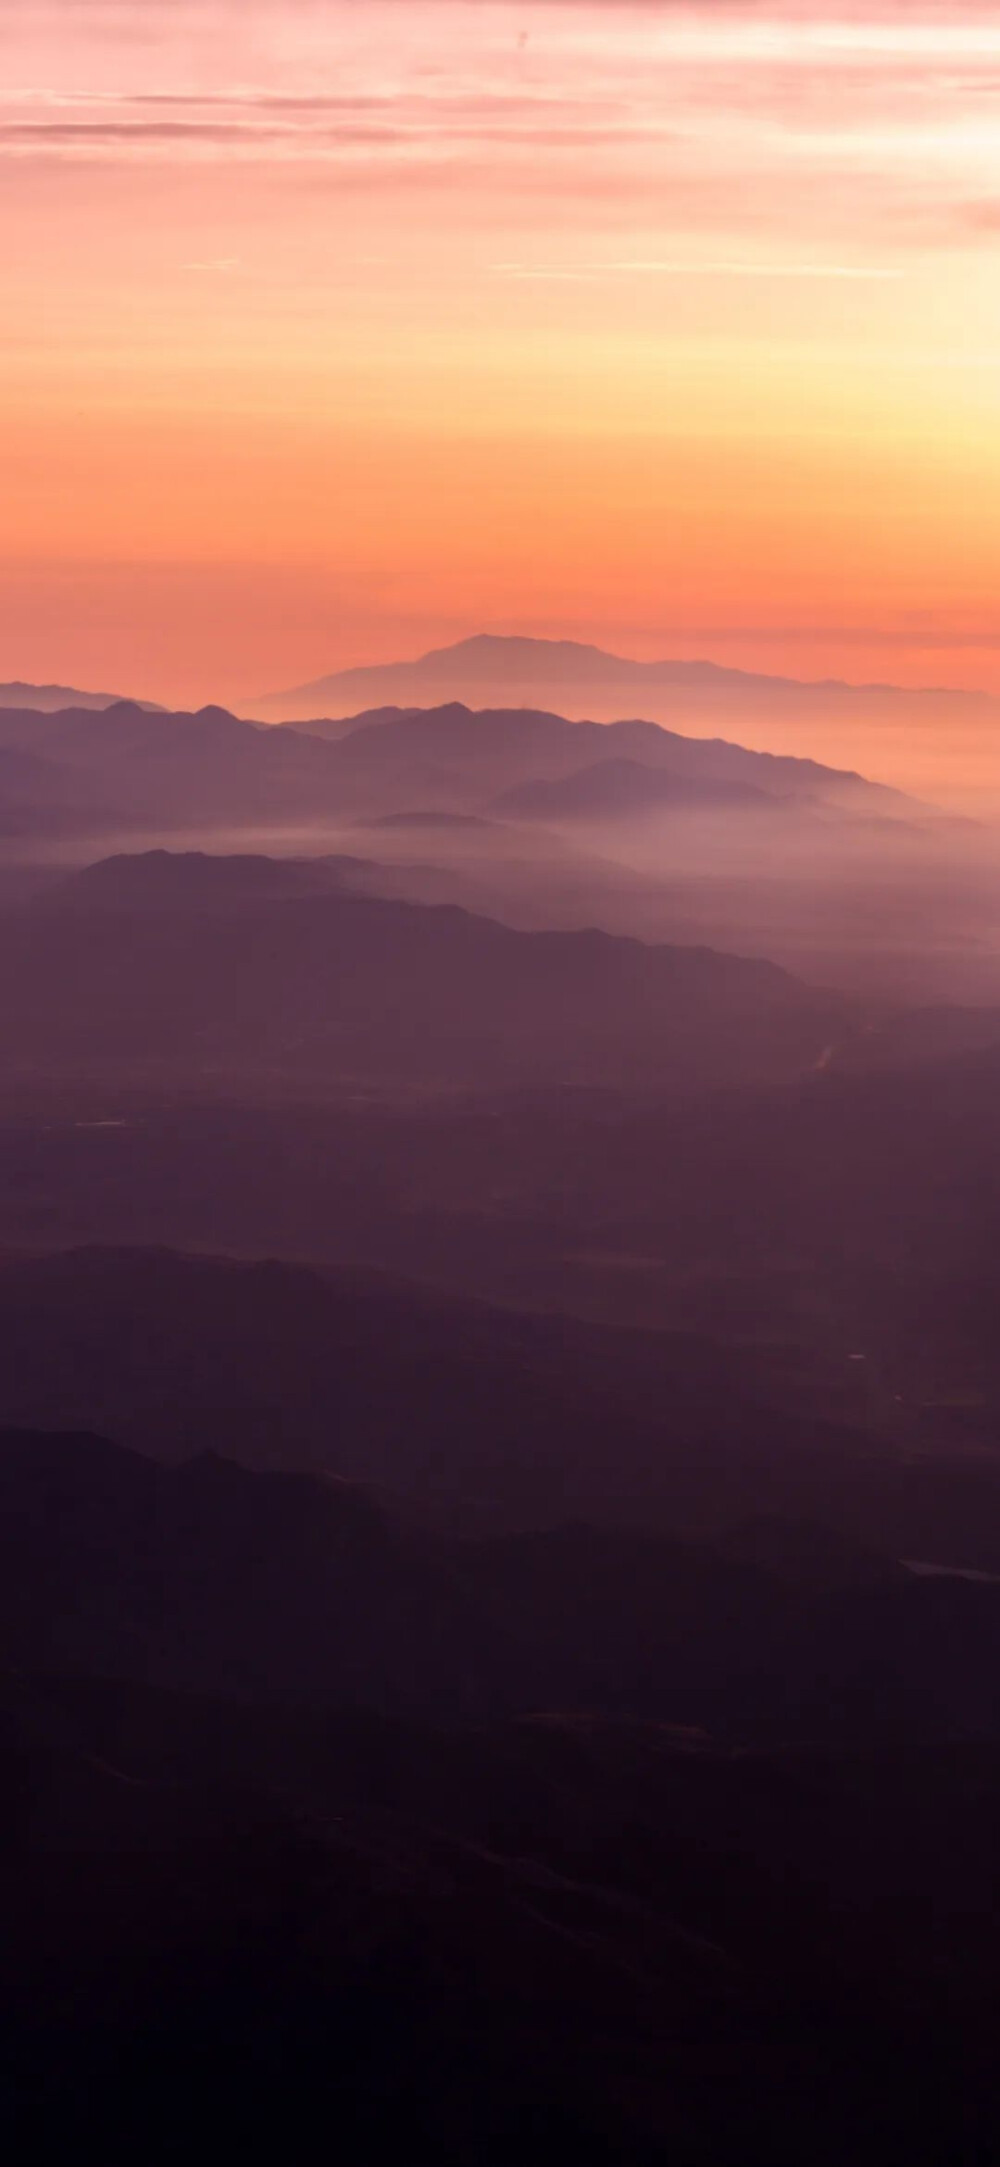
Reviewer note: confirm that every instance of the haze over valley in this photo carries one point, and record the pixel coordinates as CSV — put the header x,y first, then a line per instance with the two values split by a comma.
x,y
498,1234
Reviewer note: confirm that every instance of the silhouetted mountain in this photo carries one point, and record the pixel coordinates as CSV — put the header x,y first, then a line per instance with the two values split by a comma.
x,y
48,699
577,1843
841,1237
486,1416
496,748
165,772
325,988
215,1579
160,880
523,669
481,1417
133,767
563,1725
853,884
211,1577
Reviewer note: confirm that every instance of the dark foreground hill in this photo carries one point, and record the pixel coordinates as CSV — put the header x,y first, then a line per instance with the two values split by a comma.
x,y
246,1906
148,965
300,1931
211,1578
482,1418
479,1414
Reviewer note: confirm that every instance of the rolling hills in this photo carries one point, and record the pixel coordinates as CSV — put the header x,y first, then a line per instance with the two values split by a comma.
x,y
132,767
156,964
485,1419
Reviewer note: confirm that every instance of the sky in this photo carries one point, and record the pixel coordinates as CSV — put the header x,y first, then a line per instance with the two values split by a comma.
x,y
331,330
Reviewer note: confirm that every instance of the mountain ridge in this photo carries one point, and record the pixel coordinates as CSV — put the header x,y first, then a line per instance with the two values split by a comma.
x,y
50,699
498,658
454,729
127,767
276,981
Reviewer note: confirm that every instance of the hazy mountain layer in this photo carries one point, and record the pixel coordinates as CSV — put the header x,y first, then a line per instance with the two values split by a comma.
x,y
49,698
628,826
525,667
168,965
841,1235
131,767
215,1579
482,1417
930,739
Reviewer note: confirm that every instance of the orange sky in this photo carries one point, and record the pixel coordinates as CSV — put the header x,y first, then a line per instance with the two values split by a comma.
x,y
336,328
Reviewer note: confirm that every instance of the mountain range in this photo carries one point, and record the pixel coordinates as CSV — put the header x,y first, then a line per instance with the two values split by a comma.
x,y
209,1578
522,668
580,680
126,766
491,745
470,1416
175,967
537,821
49,699
483,1418
499,1487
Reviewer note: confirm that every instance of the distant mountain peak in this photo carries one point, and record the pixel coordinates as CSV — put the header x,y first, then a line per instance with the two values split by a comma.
x,y
53,699
521,665
494,645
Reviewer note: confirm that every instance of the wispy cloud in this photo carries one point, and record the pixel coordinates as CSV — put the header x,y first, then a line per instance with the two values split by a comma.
x,y
816,102
681,267
565,305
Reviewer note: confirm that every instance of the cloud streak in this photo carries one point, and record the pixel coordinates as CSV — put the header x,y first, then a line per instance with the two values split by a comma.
x,y
682,267
512,306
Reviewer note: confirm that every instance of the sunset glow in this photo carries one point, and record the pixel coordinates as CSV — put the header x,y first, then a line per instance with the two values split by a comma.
x,y
336,328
